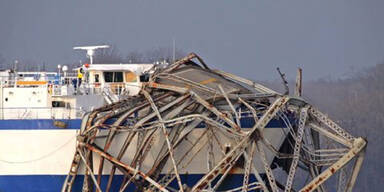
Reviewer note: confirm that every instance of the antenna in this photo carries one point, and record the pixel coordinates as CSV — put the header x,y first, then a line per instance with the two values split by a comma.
x,y
91,50
174,50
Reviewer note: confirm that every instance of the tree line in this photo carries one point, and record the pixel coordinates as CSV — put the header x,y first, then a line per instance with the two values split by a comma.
x,y
111,55
357,104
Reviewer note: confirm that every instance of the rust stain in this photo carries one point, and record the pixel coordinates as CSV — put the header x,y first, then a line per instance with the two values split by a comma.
x,y
210,80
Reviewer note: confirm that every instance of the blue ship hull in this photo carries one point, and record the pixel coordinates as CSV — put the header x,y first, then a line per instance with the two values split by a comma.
x,y
54,182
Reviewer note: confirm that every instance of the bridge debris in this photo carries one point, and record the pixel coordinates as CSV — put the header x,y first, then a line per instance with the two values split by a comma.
x,y
192,128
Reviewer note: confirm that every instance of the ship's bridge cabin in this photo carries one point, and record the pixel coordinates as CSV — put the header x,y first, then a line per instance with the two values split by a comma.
x,y
117,78
33,95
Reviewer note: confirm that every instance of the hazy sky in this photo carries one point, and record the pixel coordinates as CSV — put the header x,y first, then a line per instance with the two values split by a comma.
x,y
326,38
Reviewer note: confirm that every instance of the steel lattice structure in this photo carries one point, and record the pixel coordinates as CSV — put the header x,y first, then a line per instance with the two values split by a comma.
x,y
192,120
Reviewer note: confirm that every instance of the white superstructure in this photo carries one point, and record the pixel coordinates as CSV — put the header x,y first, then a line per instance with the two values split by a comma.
x,y
46,95
40,114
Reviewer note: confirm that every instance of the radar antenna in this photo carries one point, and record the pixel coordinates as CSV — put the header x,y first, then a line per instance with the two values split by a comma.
x,y
91,50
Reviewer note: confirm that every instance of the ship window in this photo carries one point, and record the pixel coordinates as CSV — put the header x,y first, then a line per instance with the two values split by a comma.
x,y
58,104
144,78
118,77
110,77
130,77
96,78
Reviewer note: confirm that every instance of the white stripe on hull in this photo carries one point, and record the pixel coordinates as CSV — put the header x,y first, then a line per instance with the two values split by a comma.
x,y
30,152
50,152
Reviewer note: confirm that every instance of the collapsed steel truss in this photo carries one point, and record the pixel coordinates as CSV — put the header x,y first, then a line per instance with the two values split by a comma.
x,y
172,105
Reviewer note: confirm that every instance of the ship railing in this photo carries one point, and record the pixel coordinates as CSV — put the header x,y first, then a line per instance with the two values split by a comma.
x,y
74,89
55,88
12,81
41,113
98,89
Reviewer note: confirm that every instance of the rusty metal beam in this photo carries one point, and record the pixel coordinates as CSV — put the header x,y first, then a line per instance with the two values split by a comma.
x,y
234,153
299,82
296,149
130,169
170,148
355,171
358,145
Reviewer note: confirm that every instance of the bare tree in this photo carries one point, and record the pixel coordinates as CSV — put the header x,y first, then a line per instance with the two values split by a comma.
x,y
154,55
358,104
107,56
163,53
3,63
135,57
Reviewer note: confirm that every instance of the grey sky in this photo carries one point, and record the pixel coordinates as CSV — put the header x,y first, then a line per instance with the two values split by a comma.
x,y
248,38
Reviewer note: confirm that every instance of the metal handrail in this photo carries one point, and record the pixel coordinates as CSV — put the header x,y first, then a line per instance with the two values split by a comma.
x,y
41,112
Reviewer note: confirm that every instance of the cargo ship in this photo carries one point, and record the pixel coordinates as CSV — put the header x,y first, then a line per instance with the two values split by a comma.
x,y
153,127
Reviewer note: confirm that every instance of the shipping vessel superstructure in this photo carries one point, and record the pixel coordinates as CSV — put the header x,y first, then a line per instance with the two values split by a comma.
x,y
40,115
